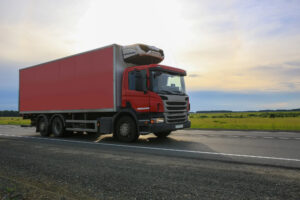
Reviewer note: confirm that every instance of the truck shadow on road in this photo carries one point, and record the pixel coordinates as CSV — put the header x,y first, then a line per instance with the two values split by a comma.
x,y
150,140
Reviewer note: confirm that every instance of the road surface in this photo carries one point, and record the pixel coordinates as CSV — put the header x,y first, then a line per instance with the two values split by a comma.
x,y
191,164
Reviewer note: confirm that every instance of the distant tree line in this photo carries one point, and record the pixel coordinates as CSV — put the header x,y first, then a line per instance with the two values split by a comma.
x,y
257,114
214,111
9,113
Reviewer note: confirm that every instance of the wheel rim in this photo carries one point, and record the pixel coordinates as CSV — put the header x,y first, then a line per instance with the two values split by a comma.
x,y
124,129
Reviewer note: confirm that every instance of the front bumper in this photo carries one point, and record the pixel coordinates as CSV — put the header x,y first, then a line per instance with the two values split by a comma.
x,y
161,127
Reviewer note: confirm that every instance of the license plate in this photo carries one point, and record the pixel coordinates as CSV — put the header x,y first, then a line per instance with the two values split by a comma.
x,y
179,126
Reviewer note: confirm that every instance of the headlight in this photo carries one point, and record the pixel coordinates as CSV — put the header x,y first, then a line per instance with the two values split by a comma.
x,y
157,120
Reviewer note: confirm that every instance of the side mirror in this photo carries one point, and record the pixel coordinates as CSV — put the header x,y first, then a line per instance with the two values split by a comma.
x,y
140,82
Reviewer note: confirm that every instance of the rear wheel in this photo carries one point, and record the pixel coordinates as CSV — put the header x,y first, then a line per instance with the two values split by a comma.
x,y
163,134
58,128
126,130
43,126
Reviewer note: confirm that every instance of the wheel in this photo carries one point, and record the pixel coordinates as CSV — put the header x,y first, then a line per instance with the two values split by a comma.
x,y
126,130
43,126
163,134
58,128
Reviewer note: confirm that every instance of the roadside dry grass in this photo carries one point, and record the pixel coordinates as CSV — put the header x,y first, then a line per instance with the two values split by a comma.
x,y
13,121
247,121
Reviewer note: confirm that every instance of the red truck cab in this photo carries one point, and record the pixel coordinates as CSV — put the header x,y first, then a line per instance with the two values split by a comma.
x,y
157,95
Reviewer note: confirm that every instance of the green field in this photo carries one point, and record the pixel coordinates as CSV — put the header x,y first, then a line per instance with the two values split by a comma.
x,y
241,120
247,120
13,121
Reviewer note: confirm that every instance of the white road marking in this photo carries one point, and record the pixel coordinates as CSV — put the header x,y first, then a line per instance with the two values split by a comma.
x,y
158,149
283,138
297,138
248,136
268,137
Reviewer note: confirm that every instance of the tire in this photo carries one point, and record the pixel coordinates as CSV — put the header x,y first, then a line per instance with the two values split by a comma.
x,y
43,126
163,134
58,128
126,130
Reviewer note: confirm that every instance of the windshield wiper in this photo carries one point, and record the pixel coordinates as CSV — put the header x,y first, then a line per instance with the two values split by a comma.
x,y
166,92
178,92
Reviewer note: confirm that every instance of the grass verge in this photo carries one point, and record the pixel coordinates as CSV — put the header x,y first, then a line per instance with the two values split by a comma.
x,y
14,121
247,121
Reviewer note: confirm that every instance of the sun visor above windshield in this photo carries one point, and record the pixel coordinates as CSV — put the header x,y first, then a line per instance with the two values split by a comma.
x,y
169,70
142,54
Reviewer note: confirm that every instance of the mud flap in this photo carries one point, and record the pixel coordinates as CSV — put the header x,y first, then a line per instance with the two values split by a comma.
x,y
106,125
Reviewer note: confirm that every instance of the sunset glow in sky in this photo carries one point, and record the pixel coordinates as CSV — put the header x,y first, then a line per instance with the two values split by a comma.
x,y
239,55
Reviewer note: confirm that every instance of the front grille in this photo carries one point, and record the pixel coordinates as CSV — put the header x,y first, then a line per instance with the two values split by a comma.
x,y
176,112
176,108
175,103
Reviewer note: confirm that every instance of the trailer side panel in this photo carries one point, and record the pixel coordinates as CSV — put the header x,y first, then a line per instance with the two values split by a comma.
x,y
78,83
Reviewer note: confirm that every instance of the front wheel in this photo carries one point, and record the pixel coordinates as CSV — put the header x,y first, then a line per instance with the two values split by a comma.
x,y
163,134
126,130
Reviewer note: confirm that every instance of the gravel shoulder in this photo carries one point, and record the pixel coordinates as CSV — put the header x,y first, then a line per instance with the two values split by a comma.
x,y
56,170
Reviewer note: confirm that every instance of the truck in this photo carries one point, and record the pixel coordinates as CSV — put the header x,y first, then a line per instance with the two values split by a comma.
x,y
115,89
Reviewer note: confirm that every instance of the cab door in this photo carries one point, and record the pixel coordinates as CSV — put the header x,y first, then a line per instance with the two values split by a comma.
x,y
136,93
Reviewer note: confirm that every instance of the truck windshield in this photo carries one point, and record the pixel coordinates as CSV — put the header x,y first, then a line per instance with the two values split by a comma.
x,y
166,83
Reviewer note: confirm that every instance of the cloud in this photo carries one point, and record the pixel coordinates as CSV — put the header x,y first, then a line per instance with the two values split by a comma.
x,y
241,101
293,63
223,45
9,76
282,70
194,75
281,77
36,31
232,41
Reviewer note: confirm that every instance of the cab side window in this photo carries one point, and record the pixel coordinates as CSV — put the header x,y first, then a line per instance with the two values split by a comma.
x,y
134,80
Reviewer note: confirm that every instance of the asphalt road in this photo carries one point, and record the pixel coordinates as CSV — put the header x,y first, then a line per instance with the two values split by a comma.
x,y
191,164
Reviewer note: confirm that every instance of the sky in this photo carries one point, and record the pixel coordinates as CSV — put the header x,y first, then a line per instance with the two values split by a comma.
x,y
239,55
